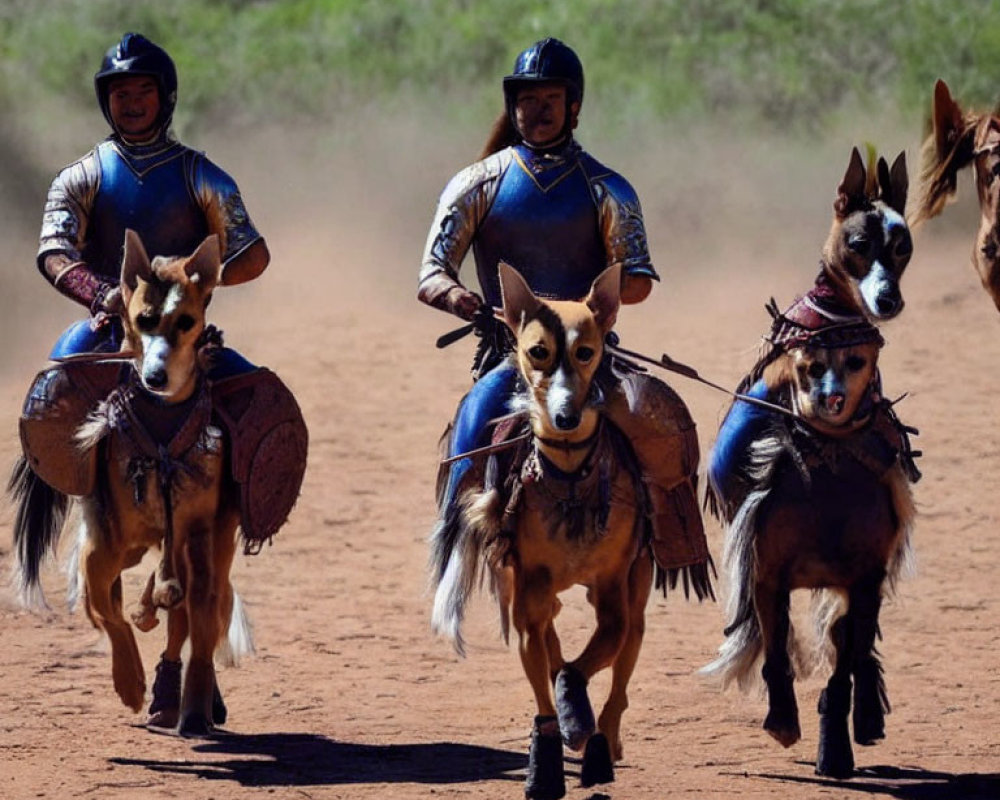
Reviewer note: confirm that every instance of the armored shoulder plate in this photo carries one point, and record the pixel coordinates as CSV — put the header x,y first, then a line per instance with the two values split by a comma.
x,y
621,221
269,446
462,206
67,208
58,403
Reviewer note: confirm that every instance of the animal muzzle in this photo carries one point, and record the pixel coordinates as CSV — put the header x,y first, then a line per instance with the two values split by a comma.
x,y
880,292
564,401
156,359
156,379
833,403
567,421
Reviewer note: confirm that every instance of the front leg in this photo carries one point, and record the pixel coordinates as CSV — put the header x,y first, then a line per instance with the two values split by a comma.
x,y
533,604
834,756
532,618
871,702
100,569
782,720
204,630
576,715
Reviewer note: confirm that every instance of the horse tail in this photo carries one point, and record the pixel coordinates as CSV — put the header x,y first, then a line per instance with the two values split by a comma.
x,y
902,562
743,646
74,584
41,511
826,607
460,544
238,641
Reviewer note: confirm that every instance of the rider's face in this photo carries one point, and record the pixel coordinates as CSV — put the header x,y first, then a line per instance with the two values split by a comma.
x,y
540,112
134,103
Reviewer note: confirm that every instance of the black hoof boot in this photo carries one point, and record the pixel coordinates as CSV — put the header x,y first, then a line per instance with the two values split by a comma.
x,y
597,767
870,705
219,711
164,708
576,715
782,720
834,759
869,728
195,724
546,780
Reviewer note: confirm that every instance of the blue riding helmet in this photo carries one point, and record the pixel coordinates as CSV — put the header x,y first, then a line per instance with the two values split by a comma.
x,y
547,60
136,55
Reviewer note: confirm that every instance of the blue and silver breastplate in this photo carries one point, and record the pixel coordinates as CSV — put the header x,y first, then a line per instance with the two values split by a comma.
x,y
543,222
147,189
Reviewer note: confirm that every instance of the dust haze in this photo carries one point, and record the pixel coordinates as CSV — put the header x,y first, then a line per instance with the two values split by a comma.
x,y
345,209
350,693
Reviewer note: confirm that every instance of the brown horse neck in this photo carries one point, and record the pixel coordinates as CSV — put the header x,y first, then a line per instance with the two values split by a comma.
x,y
832,284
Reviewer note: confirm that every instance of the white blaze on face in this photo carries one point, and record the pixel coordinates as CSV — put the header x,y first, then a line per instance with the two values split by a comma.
x,y
157,351
562,399
880,287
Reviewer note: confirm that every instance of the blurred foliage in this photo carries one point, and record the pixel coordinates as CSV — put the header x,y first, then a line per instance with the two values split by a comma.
x,y
786,63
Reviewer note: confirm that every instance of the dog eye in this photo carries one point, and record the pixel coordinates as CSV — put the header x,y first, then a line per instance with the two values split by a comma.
x,y
817,369
855,363
858,242
584,354
147,321
185,322
539,352
903,247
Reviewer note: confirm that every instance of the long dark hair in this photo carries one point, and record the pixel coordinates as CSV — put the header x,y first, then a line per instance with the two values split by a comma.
x,y
502,134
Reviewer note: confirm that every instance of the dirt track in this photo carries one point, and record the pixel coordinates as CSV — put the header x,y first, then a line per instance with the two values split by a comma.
x,y
351,696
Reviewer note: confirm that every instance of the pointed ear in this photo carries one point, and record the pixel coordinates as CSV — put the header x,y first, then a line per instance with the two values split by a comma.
x,y
898,186
851,192
946,119
779,372
135,263
519,302
203,266
605,297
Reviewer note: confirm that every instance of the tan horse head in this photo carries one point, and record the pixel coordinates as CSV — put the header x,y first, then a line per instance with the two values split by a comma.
x,y
959,139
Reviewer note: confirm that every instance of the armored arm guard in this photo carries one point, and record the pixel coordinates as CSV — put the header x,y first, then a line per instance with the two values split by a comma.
x,y
621,225
462,206
67,211
227,217
64,227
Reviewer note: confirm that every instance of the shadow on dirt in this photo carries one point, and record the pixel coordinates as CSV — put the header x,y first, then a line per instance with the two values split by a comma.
x,y
904,783
302,759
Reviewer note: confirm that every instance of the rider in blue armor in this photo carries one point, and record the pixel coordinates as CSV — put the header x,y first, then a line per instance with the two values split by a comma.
x,y
142,178
537,201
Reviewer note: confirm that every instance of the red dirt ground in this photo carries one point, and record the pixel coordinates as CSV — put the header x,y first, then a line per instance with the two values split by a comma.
x,y
351,696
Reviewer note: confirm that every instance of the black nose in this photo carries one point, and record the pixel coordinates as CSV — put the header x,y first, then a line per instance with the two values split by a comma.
x,y
888,304
567,422
157,378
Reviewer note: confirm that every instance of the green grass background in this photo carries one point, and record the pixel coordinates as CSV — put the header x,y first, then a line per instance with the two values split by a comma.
x,y
780,63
